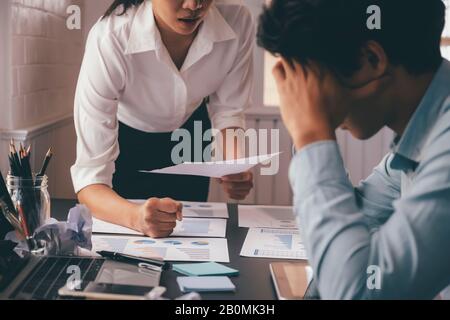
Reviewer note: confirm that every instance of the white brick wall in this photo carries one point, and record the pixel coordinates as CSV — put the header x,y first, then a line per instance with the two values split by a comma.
x,y
46,59
5,57
41,60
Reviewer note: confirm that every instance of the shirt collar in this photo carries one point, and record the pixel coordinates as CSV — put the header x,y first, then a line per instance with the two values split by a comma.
x,y
408,148
145,36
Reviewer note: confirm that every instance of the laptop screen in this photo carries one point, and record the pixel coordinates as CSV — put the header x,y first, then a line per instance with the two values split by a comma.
x,y
10,263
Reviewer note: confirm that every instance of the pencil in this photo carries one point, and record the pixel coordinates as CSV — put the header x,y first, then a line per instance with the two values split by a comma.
x,y
23,220
25,228
46,162
25,159
16,158
12,165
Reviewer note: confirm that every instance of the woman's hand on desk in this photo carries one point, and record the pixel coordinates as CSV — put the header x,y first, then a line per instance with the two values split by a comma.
x,y
158,217
238,186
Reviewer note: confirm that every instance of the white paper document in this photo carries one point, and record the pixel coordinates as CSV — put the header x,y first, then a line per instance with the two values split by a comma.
x,y
200,227
200,209
267,217
205,210
217,169
168,249
274,243
189,227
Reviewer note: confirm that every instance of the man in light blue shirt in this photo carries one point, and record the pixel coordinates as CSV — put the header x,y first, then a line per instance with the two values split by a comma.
x,y
389,238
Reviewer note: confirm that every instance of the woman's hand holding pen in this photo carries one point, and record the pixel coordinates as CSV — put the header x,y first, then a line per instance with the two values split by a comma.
x,y
158,217
238,186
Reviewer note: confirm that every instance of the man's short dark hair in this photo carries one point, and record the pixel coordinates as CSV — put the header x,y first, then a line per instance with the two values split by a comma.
x,y
332,32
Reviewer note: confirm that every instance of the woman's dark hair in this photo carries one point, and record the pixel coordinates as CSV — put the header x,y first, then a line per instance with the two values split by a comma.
x,y
126,4
333,32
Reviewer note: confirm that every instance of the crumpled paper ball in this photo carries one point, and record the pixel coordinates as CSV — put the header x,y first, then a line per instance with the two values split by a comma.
x,y
61,238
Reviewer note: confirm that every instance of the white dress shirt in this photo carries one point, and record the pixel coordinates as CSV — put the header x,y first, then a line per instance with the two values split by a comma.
x,y
127,75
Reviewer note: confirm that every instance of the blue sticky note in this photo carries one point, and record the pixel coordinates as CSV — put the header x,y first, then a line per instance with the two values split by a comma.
x,y
205,269
205,284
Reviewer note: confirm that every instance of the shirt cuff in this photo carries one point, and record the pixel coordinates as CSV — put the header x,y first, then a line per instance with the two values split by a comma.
x,y
223,122
314,164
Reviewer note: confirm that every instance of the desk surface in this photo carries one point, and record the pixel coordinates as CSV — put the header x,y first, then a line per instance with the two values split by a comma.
x,y
253,283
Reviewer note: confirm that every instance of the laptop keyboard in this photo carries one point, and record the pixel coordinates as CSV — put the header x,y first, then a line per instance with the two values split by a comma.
x,y
51,274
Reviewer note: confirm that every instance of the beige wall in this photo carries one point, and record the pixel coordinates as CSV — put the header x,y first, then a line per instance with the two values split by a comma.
x,y
42,71
46,58
93,11
5,56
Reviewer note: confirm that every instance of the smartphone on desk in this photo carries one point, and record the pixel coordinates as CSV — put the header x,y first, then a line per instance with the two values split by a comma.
x,y
105,291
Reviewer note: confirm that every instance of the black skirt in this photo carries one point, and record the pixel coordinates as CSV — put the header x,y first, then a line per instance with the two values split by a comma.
x,y
149,151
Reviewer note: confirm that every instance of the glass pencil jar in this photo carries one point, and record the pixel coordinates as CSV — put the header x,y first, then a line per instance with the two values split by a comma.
x,y
32,202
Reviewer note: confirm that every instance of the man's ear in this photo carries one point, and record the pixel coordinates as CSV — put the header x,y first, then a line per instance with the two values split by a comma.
x,y
373,65
374,55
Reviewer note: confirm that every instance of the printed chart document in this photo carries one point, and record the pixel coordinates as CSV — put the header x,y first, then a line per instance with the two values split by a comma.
x,y
216,169
205,210
273,243
266,217
189,227
168,249
200,209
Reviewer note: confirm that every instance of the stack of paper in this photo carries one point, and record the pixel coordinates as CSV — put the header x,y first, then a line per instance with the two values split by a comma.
x,y
193,239
214,228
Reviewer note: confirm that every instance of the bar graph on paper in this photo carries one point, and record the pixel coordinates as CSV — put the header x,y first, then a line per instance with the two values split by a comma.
x,y
274,243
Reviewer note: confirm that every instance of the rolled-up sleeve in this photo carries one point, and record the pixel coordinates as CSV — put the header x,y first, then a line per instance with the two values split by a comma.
x,y
228,103
102,78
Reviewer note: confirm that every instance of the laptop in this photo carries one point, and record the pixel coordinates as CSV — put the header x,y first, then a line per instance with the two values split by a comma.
x,y
40,278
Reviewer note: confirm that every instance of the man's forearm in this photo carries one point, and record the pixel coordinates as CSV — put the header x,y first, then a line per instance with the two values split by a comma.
x,y
333,229
351,261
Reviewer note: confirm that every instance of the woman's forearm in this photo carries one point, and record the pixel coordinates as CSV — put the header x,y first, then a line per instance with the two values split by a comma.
x,y
107,205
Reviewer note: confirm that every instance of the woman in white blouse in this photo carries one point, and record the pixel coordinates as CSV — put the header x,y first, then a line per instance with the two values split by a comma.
x,y
150,68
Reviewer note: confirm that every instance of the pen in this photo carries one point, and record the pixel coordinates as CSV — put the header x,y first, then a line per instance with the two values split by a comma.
x,y
133,259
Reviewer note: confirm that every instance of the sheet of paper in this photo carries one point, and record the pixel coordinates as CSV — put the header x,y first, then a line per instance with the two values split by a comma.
x,y
189,227
168,249
201,209
266,217
205,210
200,227
274,243
216,169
